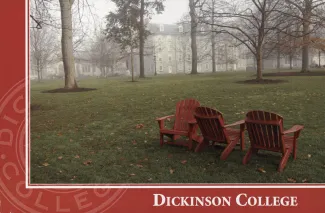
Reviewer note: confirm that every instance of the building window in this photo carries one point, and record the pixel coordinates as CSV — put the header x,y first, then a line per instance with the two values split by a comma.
x,y
170,58
180,57
160,59
161,28
160,68
170,46
206,66
180,28
189,57
170,69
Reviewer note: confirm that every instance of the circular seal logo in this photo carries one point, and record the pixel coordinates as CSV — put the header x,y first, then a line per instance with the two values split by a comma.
x,y
12,166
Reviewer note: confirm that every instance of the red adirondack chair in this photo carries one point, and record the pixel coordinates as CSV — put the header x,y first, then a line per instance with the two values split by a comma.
x,y
182,127
265,131
214,129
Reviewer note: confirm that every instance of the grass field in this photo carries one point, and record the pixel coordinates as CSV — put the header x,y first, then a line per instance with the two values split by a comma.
x,y
91,137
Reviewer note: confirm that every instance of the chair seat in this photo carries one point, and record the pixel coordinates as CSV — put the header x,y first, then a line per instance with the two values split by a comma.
x,y
174,132
233,134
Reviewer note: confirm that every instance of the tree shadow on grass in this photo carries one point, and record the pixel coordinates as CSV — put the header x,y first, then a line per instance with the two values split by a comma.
x,y
64,90
262,81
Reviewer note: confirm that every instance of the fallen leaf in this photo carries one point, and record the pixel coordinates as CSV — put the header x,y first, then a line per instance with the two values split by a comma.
x,y
132,174
139,126
60,158
146,159
291,180
168,119
309,155
150,179
184,161
71,140
60,171
305,180
139,165
74,177
134,142
171,171
77,156
261,170
45,164
146,133
170,156
87,162
59,134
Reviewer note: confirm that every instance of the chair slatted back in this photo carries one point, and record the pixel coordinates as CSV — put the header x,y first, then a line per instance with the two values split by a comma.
x,y
184,113
211,124
265,130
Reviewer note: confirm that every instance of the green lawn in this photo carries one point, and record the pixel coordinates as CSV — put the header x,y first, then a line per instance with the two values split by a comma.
x,y
91,137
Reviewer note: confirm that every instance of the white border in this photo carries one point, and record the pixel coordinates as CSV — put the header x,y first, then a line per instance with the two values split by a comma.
x,y
27,89
116,186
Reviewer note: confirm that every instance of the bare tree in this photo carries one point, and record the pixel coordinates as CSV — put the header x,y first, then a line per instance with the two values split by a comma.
x,y
105,54
193,4
44,12
43,49
251,23
309,13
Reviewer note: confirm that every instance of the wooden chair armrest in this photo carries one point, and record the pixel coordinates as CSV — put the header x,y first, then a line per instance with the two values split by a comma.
x,y
241,122
293,129
164,118
192,121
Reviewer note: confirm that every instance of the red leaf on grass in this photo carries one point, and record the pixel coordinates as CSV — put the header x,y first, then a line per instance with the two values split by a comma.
x,y
291,180
261,170
60,158
139,165
87,162
74,177
139,126
184,161
77,156
134,142
45,164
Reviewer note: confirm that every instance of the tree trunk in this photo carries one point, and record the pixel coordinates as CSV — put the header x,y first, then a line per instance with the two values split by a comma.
x,y
291,59
38,71
226,52
259,65
278,64
141,40
213,41
67,45
132,67
193,36
184,63
306,39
